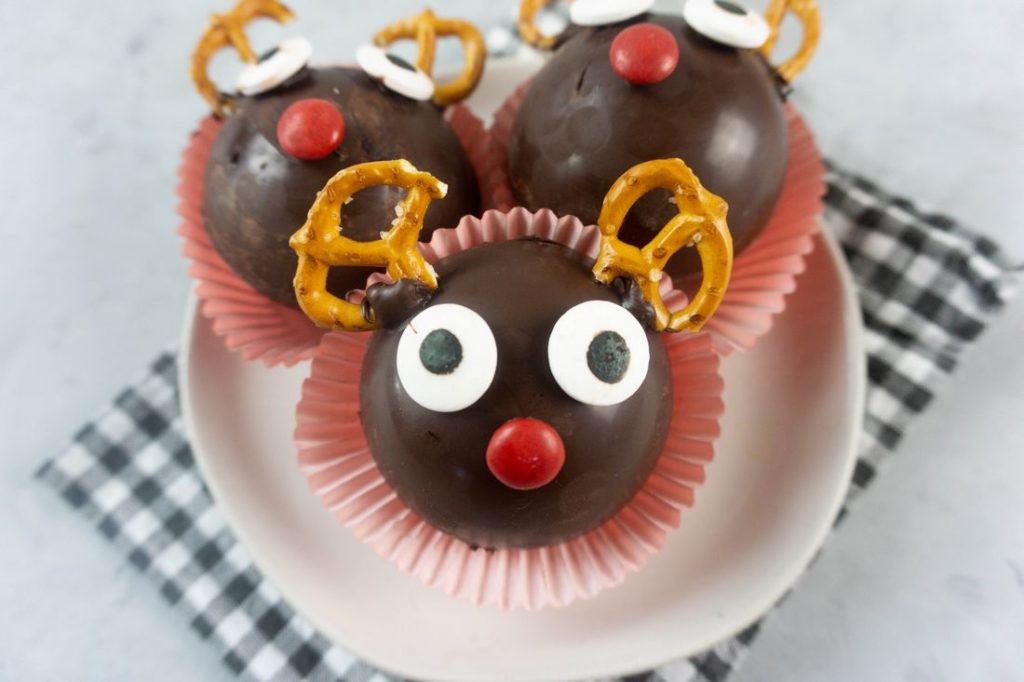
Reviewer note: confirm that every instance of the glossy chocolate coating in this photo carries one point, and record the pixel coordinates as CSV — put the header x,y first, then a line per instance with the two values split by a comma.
x,y
581,126
436,461
257,195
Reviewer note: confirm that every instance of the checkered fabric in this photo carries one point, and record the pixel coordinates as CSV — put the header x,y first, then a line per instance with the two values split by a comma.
x,y
928,287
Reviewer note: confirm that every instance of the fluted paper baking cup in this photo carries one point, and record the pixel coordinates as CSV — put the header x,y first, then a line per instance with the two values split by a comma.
x,y
766,272
335,457
247,321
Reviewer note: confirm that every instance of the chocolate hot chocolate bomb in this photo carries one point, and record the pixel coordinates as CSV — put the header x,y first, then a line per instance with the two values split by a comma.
x,y
291,127
436,461
257,194
580,125
517,393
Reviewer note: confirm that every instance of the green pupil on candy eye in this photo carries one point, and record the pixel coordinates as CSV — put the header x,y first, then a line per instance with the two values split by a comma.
x,y
269,53
441,352
399,62
730,7
608,357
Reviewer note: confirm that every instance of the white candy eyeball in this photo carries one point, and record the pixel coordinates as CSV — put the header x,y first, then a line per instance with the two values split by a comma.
x,y
601,12
726,22
397,74
275,67
598,353
446,358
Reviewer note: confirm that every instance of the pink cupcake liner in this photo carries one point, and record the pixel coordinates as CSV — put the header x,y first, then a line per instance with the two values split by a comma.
x,y
766,272
476,140
335,457
503,122
249,322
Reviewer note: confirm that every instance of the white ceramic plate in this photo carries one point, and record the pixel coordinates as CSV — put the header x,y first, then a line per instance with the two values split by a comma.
x,y
794,408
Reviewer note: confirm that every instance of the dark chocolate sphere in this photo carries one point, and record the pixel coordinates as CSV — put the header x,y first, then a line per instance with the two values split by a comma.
x,y
257,195
436,461
581,126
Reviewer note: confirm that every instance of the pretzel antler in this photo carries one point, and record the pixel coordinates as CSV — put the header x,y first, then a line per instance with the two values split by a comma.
x,y
321,244
425,28
527,24
807,12
226,30
700,222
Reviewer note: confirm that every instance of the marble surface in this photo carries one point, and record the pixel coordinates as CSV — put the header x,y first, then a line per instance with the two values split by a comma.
x,y
925,582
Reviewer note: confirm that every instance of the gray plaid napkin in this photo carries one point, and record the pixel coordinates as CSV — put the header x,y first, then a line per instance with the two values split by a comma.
x,y
927,286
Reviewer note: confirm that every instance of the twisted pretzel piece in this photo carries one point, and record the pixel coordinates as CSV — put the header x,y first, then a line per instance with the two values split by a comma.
x,y
526,23
225,30
321,245
810,18
700,222
425,28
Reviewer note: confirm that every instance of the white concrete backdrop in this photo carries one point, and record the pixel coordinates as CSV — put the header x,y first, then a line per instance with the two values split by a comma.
x,y
924,583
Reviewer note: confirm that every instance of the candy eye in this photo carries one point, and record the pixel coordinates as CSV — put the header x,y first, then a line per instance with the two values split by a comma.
x,y
601,12
275,67
397,74
726,22
446,358
598,353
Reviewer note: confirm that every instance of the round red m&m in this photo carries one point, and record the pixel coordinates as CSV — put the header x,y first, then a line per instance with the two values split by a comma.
x,y
525,453
644,54
310,129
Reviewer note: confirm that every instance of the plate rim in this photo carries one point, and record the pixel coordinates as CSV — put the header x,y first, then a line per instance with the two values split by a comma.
x,y
856,359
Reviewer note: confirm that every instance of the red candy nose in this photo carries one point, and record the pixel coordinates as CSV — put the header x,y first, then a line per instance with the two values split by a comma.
x,y
525,453
644,54
310,129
